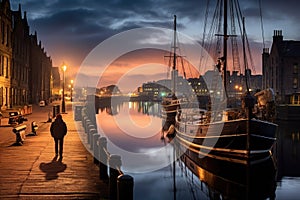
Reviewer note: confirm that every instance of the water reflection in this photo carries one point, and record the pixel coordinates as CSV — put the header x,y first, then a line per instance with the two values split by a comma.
x,y
133,131
226,180
288,160
134,128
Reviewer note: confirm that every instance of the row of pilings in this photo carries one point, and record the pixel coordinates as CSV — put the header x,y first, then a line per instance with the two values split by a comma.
x,y
120,184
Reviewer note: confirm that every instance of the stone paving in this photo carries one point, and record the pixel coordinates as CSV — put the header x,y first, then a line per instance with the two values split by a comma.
x,y
31,172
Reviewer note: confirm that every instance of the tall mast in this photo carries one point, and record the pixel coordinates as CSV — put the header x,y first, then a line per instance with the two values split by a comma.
x,y
225,47
174,70
174,44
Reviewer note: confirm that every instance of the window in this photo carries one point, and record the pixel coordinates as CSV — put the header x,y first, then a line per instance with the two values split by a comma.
x,y
3,32
7,42
295,71
1,96
295,99
1,66
6,68
295,83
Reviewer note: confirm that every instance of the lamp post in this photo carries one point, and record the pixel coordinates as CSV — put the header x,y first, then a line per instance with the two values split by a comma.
x,y
63,104
72,90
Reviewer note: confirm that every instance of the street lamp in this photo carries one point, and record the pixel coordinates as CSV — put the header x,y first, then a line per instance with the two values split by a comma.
x,y
63,104
72,90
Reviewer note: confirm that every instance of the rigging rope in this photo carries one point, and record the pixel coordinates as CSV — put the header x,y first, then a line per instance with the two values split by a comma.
x,y
262,25
246,38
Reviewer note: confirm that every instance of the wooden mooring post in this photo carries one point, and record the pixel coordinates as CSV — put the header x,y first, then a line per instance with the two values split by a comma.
x,y
124,187
103,157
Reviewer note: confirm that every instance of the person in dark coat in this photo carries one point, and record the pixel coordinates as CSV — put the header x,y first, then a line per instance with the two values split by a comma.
x,y
58,131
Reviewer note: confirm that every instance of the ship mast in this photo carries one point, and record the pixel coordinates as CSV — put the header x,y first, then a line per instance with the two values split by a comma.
x,y
174,44
225,37
174,70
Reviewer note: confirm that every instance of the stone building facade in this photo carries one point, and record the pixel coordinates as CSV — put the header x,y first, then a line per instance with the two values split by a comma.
x,y
25,67
20,59
281,69
5,53
40,72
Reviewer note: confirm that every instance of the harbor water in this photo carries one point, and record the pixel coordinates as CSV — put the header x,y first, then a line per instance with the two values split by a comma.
x,y
133,130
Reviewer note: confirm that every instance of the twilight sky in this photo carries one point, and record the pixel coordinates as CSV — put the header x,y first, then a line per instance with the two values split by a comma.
x,y
71,29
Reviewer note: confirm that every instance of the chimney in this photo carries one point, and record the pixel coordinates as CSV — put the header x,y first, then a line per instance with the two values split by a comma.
x,y
277,37
266,50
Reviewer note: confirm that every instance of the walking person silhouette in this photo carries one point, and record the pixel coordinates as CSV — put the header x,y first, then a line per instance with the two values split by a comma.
x,y
58,131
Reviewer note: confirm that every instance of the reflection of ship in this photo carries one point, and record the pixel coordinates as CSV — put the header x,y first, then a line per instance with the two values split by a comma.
x,y
226,180
234,135
288,149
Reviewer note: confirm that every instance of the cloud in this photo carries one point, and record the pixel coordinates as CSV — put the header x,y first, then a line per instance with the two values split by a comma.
x,y
69,30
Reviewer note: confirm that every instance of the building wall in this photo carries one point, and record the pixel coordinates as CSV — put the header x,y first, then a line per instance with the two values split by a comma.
x,y
290,77
56,83
281,67
5,54
20,62
25,68
40,72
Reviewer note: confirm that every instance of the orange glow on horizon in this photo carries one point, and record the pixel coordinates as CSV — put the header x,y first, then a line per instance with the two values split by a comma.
x,y
128,62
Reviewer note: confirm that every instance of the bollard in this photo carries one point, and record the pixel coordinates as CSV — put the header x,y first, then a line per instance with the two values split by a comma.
x,y
125,187
91,130
78,112
114,165
84,118
87,123
102,142
95,147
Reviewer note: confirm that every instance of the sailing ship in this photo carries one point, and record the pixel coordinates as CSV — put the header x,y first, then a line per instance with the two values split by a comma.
x,y
234,135
171,103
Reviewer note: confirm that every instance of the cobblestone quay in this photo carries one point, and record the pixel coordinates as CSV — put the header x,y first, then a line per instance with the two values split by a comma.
x,y
29,171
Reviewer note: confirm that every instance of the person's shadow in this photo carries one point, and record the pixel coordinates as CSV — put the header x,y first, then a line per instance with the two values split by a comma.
x,y
53,168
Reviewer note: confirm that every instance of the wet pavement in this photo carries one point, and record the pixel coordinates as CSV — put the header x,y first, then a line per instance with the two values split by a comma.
x,y
31,171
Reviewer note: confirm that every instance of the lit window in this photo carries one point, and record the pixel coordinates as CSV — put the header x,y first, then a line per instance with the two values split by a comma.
x,y
295,83
295,68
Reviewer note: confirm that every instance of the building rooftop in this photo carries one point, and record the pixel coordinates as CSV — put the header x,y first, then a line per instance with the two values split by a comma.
x,y
290,48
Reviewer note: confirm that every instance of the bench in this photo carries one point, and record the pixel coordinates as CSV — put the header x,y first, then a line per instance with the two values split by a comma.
x,y
34,127
20,134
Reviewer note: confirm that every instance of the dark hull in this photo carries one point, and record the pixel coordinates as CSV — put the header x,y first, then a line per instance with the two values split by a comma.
x,y
229,140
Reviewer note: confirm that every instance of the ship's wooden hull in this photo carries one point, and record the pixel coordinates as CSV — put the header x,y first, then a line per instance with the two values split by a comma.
x,y
228,140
